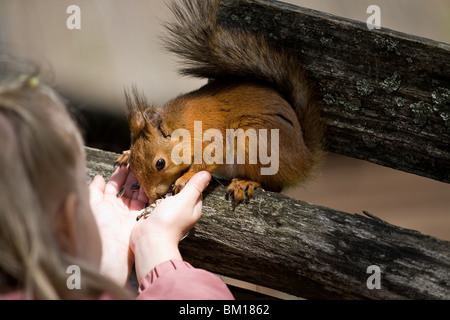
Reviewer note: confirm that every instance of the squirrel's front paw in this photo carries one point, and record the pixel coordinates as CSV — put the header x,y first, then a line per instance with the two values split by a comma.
x,y
123,159
239,189
182,181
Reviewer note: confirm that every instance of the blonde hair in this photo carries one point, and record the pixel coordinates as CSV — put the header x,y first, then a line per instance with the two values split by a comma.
x,y
39,160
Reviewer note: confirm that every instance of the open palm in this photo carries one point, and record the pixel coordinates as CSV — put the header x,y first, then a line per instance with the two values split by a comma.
x,y
115,219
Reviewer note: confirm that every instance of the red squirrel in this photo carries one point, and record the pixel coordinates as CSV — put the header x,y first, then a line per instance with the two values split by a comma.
x,y
252,85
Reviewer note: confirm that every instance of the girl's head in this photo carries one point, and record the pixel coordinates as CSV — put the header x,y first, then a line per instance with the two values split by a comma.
x,y
45,220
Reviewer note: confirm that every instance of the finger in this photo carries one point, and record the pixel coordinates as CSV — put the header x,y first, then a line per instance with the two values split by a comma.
x,y
138,200
196,185
116,181
130,194
131,183
97,189
134,193
142,196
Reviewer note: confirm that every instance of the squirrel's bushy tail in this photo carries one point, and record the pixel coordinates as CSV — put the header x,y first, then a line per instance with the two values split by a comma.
x,y
209,50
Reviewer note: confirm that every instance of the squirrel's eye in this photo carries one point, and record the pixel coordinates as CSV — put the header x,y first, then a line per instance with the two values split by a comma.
x,y
160,164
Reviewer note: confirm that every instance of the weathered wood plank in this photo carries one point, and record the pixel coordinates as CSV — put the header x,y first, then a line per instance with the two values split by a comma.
x,y
306,250
385,95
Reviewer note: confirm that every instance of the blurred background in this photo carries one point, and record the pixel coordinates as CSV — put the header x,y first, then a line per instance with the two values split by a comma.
x,y
118,46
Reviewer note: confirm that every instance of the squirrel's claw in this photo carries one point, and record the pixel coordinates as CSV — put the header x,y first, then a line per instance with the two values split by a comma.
x,y
241,189
123,159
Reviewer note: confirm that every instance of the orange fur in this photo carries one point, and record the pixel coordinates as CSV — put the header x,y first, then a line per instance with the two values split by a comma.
x,y
252,86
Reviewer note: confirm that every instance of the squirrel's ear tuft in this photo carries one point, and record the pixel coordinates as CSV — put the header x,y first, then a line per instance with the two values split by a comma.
x,y
134,112
141,116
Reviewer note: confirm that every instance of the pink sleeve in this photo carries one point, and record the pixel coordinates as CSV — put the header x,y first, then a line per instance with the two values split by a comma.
x,y
178,280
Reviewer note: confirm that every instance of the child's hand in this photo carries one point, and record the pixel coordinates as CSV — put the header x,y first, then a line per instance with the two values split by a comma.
x,y
115,219
155,240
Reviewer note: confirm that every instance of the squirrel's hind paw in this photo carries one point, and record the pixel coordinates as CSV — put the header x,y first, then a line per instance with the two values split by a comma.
x,y
241,189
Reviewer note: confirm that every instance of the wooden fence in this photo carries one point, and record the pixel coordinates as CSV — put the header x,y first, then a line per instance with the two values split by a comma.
x,y
386,99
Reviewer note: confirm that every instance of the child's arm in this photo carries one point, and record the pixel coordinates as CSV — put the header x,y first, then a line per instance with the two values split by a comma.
x,y
178,280
159,267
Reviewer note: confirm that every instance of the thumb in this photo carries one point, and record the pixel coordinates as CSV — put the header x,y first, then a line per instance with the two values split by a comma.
x,y
196,185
